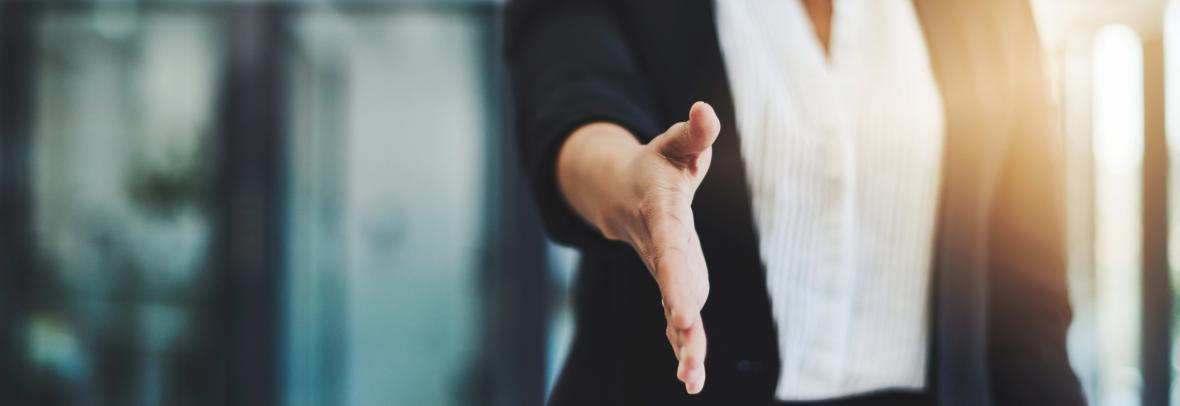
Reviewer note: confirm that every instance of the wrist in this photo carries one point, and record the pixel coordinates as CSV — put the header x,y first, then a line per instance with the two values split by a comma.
x,y
619,207
594,174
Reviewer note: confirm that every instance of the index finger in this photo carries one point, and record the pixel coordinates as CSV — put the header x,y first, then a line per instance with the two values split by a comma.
x,y
673,263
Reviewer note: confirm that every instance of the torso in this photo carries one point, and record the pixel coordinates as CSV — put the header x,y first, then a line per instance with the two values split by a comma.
x,y
842,148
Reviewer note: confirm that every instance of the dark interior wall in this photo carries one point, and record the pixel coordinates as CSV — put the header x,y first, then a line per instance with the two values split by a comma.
x,y
16,264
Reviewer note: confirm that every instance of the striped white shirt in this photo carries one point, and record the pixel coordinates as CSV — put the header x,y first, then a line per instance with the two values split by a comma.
x,y
843,155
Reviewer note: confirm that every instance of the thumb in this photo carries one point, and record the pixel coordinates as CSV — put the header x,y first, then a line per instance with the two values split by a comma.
x,y
685,141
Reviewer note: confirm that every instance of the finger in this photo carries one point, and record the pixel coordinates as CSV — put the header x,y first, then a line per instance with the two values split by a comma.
x,y
672,264
676,287
686,141
700,274
696,275
696,386
677,262
691,358
670,333
693,345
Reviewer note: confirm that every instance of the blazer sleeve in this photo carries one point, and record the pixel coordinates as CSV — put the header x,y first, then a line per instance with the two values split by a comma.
x,y
569,63
1029,310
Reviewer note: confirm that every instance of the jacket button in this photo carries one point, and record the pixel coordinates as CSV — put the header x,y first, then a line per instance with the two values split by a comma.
x,y
746,366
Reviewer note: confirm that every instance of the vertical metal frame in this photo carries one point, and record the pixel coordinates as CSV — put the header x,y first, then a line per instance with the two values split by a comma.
x,y
1077,118
1157,288
314,371
16,261
249,205
519,281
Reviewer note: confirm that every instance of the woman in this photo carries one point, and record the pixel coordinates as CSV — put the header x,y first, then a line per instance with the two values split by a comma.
x,y
868,200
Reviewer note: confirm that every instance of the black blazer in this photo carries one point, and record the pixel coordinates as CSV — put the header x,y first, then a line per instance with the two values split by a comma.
x,y
1000,304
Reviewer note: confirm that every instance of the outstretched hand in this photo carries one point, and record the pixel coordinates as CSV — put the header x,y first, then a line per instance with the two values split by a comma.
x,y
645,199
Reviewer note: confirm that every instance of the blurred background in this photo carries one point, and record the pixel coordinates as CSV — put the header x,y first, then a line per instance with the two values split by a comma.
x,y
307,202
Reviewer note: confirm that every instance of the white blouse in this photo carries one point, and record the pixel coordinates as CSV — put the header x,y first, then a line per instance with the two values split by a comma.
x,y
843,155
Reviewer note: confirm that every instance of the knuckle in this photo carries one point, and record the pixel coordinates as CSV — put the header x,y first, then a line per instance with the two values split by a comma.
x,y
675,128
650,257
664,203
682,319
649,208
653,264
614,233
